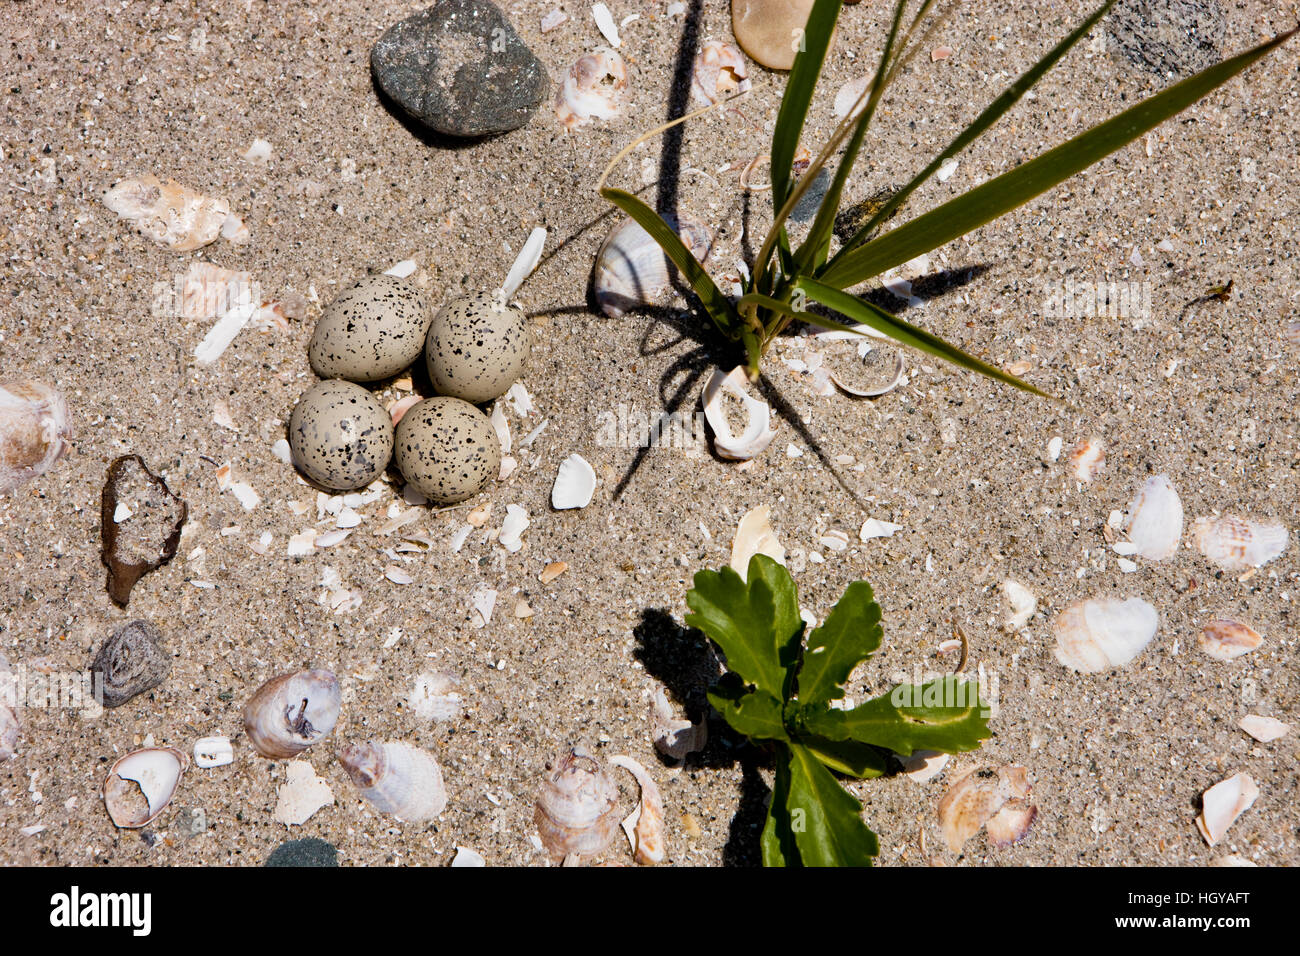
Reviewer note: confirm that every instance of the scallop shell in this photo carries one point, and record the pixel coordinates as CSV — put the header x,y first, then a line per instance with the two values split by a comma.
x,y
1236,544
168,213
633,271
1263,729
397,778
34,431
758,433
1225,639
754,535
592,90
574,485
1223,803
10,728
720,70
995,797
1155,523
140,785
645,825
1102,633
577,807
291,712
1021,604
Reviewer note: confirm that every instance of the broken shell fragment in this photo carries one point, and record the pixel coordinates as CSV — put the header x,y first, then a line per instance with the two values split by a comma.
x,y
979,797
10,728
140,785
301,795
1236,544
168,213
574,485
754,535
1225,639
1223,803
645,825
674,736
632,270
592,90
136,544
1011,824
1021,603
1155,524
757,434
719,71
212,752
1264,729
131,662
397,778
1102,633
577,807
923,765
1088,459
34,431
291,712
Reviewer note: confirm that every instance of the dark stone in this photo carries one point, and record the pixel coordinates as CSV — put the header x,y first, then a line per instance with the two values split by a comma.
x,y
1168,36
146,540
459,68
306,852
131,662
805,210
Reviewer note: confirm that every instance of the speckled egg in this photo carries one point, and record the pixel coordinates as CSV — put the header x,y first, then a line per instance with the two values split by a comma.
x,y
340,436
447,449
477,347
371,331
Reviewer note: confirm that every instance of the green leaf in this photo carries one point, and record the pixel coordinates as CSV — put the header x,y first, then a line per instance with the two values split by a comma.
x,y
847,756
755,622
945,715
777,842
850,634
870,314
799,93
826,820
999,196
717,305
754,713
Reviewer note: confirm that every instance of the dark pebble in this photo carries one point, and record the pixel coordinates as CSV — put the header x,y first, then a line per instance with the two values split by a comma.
x,y
305,852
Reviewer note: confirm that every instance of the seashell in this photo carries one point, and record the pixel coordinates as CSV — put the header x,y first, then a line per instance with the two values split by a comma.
x,y
1088,458
553,571
644,826
513,527
577,807
397,778
1021,602
887,381
978,797
208,291
1155,523
592,90
10,728
301,795
875,528
465,857
754,535
1236,544
633,271
212,752
1225,639
757,434
1102,633
1223,803
34,431
168,213
291,712
574,485
131,662
140,785
923,765
719,71
529,256
147,537
1231,860
675,736
1264,729
1011,824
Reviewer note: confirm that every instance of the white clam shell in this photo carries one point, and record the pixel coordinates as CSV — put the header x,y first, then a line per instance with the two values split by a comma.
x,y
754,535
34,431
291,712
1102,633
592,90
758,433
10,728
1021,603
397,778
1236,544
574,484
1223,803
1225,639
140,785
513,527
633,271
577,807
1155,524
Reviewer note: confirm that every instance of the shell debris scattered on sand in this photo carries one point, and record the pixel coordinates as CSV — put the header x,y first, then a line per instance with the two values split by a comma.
x,y
397,778
1155,522
754,535
758,433
992,798
34,431
1102,633
141,784
1237,544
592,90
169,213
1223,803
1225,639
645,825
577,807
633,271
574,484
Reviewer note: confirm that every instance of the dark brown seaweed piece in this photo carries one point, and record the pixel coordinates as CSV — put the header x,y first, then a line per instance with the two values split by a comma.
x,y
149,537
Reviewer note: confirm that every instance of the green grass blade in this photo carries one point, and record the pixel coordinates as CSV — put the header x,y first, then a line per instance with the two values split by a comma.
x,y
799,93
877,318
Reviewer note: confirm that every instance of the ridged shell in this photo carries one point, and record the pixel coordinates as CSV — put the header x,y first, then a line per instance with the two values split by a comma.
x,y
397,778
987,796
1102,633
1155,524
592,90
632,270
1021,605
577,807
1236,544
132,661
291,712
140,785
574,484
645,826
34,431
1223,803
758,433
10,728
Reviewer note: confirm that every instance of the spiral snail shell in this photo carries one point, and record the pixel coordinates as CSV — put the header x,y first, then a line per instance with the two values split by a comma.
x,y
577,807
291,712
396,778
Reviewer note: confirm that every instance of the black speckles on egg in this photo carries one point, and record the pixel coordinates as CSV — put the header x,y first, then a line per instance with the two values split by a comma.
x,y
447,449
340,436
477,348
371,331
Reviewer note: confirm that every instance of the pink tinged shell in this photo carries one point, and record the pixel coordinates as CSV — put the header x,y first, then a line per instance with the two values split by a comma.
x,y
1264,729
577,807
592,90
1236,544
632,270
397,778
645,825
168,213
1088,459
1096,635
754,535
1156,519
1223,803
34,431
979,797
1225,639
720,70
291,712
141,784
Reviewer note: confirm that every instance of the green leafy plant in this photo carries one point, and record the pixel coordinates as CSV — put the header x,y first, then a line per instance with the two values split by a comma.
x,y
783,279
779,688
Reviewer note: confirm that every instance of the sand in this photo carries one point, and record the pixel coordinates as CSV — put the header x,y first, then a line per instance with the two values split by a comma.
x,y
1205,394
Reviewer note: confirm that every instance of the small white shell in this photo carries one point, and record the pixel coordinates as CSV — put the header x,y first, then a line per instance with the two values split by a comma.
x,y
212,752
291,712
1225,639
574,485
1235,543
923,765
720,70
1021,602
1264,729
758,433
592,90
633,271
140,785
1155,523
577,807
674,736
513,527
10,728
1223,803
397,778
645,825
754,535
34,431
1102,633
168,213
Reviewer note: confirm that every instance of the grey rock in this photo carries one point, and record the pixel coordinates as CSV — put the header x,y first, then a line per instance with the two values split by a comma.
x,y
460,69
306,852
1166,37
131,662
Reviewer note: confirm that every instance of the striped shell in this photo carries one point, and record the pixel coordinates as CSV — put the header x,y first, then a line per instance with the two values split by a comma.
x,y
632,270
577,807
1236,544
397,778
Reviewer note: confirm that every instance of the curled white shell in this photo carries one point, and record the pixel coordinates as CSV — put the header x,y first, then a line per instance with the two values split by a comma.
x,y
645,825
34,431
758,433
995,798
577,807
513,527
140,785
592,90
1264,729
1155,523
1223,803
1225,639
10,728
631,268
168,213
397,778
1236,544
1102,633
754,535
674,736
291,712
574,484
886,385
720,70
1021,605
